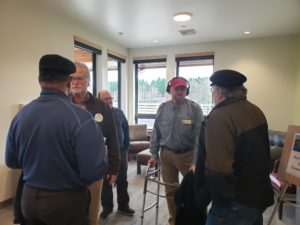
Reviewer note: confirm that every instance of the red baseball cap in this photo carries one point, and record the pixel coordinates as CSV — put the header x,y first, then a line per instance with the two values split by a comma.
x,y
178,82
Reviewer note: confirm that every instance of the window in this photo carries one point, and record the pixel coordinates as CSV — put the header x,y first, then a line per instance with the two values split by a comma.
x,y
197,70
114,78
87,53
150,83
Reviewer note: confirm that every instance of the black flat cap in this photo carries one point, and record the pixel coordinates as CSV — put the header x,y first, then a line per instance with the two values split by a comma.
x,y
227,78
56,64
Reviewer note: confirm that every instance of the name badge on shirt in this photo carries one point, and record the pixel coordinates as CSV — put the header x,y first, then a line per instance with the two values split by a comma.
x,y
98,117
187,122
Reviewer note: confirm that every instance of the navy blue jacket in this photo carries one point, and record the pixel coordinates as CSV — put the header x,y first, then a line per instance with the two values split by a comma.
x,y
56,144
122,128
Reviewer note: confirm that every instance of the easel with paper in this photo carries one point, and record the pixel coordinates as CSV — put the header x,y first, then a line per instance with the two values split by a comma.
x,y
289,168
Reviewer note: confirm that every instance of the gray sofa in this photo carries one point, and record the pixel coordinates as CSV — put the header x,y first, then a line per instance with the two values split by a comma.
x,y
276,139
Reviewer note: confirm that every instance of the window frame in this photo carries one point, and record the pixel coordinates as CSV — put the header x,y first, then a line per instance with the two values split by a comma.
x,y
119,60
194,57
95,52
136,63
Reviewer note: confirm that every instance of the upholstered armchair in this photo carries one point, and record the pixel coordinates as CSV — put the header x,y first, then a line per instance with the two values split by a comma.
x,y
139,139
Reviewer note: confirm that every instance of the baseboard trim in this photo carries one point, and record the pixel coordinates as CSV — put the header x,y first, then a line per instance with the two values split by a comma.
x,y
6,203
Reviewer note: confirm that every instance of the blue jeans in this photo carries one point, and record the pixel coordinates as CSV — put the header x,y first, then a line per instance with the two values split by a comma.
x,y
233,213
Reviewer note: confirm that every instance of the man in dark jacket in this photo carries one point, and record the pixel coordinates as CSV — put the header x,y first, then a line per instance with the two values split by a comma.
x,y
237,154
105,118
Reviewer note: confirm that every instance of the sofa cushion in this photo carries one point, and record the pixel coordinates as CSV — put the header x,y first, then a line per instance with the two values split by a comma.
x,y
138,132
138,145
143,157
275,152
276,139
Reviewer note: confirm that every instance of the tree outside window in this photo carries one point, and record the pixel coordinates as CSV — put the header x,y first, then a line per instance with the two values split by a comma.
x,y
151,90
197,71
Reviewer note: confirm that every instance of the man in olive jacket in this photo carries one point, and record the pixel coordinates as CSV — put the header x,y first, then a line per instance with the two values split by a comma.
x,y
237,154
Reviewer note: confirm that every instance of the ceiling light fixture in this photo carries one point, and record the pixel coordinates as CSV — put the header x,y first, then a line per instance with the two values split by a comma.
x,y
155,41
247,32
183,16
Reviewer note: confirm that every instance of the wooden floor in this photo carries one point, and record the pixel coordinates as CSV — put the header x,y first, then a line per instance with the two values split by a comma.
x,y
136,183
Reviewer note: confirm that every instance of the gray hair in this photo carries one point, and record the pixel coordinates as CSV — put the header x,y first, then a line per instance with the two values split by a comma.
x,y
234,92
103,91
83,67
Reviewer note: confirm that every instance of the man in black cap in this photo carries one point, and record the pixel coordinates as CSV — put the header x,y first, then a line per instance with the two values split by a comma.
x,y
235,137
57,146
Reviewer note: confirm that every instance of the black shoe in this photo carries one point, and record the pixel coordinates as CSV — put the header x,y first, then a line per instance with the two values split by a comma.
x,y
105,213
126,211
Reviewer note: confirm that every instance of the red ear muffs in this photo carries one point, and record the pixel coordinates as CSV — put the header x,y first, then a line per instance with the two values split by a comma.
x,y
187,87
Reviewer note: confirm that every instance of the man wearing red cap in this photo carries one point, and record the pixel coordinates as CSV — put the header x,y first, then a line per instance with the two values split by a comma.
x,y
176,133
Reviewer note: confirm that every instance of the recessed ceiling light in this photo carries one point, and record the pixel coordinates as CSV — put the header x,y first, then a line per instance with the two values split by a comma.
x,y
155,41
183,16
247,32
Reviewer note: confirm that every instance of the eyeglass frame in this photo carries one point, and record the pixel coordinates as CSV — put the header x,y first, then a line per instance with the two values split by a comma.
x,y
79,79
108,98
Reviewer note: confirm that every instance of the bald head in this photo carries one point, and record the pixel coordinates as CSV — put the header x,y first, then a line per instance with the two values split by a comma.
x,y
105,96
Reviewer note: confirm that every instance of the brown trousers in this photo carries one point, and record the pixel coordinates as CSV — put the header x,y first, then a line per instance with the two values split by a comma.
x,y
171,165
65,207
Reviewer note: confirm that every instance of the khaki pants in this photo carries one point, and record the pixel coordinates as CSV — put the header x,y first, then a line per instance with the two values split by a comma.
x,y
94,209
171,165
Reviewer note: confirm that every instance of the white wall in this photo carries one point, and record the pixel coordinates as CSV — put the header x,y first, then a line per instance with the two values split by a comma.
x,y
297,103
270,64
27,33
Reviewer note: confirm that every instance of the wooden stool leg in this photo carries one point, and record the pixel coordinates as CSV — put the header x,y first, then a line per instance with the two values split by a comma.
x,y
280,208
138,168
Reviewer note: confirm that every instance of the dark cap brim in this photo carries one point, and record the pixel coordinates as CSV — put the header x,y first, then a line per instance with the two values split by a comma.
x,y
227,78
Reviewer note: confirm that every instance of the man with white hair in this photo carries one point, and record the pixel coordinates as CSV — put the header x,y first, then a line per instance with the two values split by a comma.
x,y
105,118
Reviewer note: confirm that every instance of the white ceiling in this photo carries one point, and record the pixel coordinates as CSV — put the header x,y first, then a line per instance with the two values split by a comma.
x,y
142,21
